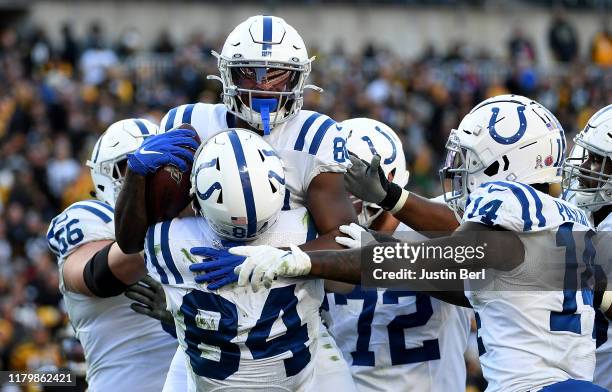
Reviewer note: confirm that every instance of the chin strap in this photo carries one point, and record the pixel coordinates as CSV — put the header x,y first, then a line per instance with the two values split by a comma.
x,y
264,106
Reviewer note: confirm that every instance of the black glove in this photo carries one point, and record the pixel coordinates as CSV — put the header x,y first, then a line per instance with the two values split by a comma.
x,y
150,300
367,182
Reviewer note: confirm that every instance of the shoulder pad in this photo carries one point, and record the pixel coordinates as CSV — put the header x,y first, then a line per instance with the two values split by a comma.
x,y
82,222
511,205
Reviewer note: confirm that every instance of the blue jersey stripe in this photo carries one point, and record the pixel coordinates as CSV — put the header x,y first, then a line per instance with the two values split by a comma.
x,y
522,198
318,137
167,254
102,204
93,210
151,248
286,206
299,142
538,205
97,147
187,113
267,33
170,120
245,179
142,127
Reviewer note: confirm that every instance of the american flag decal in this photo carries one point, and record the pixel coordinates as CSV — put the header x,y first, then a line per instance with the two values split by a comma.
x,y
239,220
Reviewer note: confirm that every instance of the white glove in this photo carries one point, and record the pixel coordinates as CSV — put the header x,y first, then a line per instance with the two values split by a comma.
x,y
264,263
354,232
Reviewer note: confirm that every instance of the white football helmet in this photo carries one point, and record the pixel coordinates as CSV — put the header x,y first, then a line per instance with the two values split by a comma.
x,y
366,138
238,183
507,137
591,189
263,66
109,156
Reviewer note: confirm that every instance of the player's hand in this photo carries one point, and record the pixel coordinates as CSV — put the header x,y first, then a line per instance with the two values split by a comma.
x,y
150,300
354,232
265,263
170,148
369,183
218,269
366,181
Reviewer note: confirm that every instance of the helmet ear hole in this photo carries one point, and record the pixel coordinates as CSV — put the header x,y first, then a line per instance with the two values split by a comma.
x,y
218,165
261,155
274,190
492,170
220,197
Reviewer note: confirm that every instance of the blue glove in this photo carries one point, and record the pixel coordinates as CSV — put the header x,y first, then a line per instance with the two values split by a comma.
x,y
218,268
170,148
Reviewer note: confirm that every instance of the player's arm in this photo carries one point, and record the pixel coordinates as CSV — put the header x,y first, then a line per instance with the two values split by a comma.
x,y
130,210
101,269
130,213
264,263
330,208
368,183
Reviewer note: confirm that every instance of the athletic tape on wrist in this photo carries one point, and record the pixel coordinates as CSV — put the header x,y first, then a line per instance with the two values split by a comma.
x,y
400,203
606,301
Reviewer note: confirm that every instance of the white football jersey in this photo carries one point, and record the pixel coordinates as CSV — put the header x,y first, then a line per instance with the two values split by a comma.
x,y
308,144
530,339
234,337
123,349
400,340
603,329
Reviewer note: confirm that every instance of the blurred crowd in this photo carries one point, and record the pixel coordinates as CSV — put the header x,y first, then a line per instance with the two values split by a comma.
x,y
58,97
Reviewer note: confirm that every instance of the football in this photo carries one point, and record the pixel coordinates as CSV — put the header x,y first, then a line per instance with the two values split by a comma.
x,y
167,190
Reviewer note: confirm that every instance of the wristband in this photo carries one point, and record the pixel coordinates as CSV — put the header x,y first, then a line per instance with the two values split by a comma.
x,y
400,203
394,192
606,301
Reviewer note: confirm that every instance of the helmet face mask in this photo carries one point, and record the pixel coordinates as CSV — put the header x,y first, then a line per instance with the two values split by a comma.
x,y
587,173
455,175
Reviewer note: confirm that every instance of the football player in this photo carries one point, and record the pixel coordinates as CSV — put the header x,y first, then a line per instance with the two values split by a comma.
x,y
373,327
124,350
587,176
263,67
236,338
501,161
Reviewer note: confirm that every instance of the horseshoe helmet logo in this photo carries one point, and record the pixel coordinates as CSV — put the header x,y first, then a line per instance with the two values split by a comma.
x,y
510,139
389,160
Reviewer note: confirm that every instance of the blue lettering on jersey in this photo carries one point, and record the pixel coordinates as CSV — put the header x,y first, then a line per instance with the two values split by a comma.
x,y
569,213
65,235
400,355
567,319
212,320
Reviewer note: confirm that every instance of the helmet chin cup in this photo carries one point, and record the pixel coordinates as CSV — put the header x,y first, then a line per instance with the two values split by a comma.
x,y
263,106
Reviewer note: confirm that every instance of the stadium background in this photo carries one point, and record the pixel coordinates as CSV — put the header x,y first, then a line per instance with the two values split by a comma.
x,y
68,69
